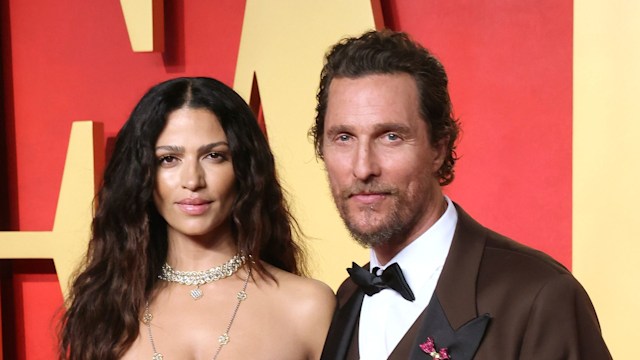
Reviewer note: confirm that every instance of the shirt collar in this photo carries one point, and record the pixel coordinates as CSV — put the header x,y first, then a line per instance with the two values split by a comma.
x,y
427,254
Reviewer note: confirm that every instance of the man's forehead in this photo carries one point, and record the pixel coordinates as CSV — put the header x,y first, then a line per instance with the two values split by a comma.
x,y
380,101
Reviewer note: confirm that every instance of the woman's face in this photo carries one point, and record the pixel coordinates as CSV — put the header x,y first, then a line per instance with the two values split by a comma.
x,y
194,180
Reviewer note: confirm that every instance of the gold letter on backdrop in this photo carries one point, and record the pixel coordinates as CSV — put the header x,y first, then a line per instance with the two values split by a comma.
x,y
145,24
67,243
283,43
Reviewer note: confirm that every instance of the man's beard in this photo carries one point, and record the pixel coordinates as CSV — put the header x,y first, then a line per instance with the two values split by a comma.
x,y
390,231
394,228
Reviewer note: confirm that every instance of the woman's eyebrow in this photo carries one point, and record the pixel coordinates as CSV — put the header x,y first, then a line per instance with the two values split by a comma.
x,y
212,145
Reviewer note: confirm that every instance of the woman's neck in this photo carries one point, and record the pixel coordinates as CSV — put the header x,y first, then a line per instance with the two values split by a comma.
x,y
192,253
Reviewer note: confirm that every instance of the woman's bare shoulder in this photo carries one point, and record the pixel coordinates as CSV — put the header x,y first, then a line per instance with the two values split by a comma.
x,y
301,296
289,284
307,309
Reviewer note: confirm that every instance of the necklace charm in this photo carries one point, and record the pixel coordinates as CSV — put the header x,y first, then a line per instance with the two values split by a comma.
x,y
223,339
157,356
196,293
147,317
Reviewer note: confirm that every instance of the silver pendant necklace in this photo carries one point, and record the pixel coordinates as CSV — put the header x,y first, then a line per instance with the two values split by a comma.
x,y
198,278
223,339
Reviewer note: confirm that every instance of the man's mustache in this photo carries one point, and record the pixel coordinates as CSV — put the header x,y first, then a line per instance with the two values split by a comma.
x,y
368,188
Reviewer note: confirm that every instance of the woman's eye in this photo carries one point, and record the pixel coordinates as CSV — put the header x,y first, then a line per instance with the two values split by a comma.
x,y
168,159
216,156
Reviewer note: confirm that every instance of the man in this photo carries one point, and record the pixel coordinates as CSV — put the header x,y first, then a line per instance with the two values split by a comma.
x,y
386,134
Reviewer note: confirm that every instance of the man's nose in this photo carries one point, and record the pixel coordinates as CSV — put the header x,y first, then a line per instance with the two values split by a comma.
x,y
366,163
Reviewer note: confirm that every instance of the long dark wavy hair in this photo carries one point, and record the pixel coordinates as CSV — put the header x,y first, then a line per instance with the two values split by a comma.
x,y
129,238
391,52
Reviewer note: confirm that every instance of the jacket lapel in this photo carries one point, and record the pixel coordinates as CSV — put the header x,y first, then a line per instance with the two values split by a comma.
x,y
456,288
461,344
451,319
344,322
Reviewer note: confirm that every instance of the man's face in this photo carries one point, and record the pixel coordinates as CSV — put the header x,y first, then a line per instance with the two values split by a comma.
x,y
379,159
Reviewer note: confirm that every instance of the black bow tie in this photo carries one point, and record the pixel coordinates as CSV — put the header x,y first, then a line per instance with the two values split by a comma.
x,y
391,278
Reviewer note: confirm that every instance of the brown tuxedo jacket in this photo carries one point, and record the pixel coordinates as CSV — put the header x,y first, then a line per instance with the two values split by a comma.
x,y
495,299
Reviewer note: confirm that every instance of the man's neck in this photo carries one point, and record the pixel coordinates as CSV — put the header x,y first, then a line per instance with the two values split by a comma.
x,y
387,251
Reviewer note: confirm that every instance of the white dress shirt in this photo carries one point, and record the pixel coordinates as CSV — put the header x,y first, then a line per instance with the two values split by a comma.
x,y
386,316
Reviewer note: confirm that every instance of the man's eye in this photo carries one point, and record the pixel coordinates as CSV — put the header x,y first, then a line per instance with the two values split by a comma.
x,y
392,136
343,137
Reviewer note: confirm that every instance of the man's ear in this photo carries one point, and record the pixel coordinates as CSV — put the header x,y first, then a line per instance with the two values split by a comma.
x,y
440,153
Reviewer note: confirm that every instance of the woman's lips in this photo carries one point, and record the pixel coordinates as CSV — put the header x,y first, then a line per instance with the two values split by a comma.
x,y
194,206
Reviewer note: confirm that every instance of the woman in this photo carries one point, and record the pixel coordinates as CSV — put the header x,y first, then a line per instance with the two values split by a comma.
x,y
192,254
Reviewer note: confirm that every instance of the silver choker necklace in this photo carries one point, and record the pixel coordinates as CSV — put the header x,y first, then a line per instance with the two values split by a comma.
x,y
197,278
